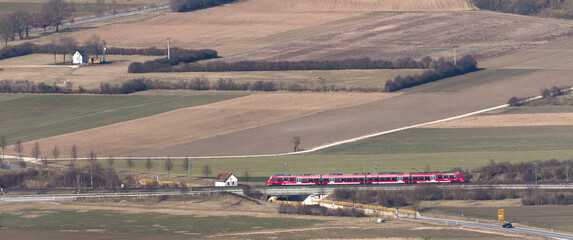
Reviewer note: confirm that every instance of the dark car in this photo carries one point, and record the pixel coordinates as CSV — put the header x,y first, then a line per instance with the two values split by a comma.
x,y
507,225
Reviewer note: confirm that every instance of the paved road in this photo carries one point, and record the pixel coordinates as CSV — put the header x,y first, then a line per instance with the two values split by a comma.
x,y
498,228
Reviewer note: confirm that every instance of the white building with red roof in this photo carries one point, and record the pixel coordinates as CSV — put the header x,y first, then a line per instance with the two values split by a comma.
x,y
226,179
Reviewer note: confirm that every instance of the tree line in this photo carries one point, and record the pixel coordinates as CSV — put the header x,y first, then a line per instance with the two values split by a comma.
x,y
191,5
54,13
549,8
223,66
177,56
440,70
549,97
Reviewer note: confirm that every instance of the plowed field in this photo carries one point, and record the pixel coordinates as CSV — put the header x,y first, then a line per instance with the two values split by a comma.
x,y
295,30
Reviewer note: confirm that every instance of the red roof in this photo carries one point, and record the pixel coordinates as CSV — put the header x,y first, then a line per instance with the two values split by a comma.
x,y
223,176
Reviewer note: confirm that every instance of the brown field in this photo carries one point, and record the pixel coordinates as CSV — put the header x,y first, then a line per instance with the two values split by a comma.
x,y
258,29
294,30
187,125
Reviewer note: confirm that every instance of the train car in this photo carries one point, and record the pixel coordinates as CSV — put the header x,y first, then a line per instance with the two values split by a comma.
x,y
379,178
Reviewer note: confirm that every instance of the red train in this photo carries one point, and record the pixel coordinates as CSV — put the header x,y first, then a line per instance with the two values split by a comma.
x,y
379,178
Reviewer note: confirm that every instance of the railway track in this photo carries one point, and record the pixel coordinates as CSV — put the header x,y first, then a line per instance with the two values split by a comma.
x,y
267,190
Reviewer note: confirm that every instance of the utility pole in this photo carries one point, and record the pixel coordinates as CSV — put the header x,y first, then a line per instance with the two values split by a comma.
x,y
104,50
168,49
455,57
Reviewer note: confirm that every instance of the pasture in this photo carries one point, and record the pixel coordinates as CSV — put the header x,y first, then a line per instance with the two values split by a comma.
x,y
546,217
213,216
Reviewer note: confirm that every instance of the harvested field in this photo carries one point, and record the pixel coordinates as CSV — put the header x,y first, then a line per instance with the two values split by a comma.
x,y
295,30
190,124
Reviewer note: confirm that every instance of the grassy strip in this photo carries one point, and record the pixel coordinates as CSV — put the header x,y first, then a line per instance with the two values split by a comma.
x,y
260,169
148,223
29,117
427,140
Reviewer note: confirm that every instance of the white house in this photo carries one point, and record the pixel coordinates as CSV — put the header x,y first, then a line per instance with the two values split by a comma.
x,y
226,179
77,58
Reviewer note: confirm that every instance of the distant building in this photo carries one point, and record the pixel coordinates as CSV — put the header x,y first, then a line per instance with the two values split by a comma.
x,y
77,58
226,179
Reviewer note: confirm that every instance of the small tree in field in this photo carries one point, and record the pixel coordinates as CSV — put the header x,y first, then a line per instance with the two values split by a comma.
x,y
19,148
130,163
110,161
168,166
74,155
36,151
295,142
148,166
206,170
55,153
247,175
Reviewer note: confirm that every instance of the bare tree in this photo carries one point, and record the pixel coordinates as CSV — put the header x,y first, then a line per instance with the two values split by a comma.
x,y
130,163
295,142
41,19
55,153
92,157
59,11
186,164
36,151
69,47
206,170
3,145
110,161
74,154
93,45
7,29
23,21
149,166
168,166
247,175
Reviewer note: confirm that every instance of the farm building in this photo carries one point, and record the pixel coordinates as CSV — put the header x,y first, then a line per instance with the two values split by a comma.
x,y
225,179
77,58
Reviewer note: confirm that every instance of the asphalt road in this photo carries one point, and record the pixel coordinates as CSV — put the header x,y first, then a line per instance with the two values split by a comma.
x,y
498,228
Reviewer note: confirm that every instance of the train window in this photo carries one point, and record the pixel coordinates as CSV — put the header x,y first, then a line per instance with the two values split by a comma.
x,y
338,179
292,179
394,179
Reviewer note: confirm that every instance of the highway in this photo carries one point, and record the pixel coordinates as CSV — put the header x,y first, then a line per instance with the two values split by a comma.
x,y
486,226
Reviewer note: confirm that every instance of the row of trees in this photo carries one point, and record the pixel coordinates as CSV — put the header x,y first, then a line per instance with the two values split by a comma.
x,y
54,13
178,55
441,69
402,198
550,8
549,97
222,66
191,5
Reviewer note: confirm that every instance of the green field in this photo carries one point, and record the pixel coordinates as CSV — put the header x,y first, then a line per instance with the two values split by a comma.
x,y
557,218
29,117
147,223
